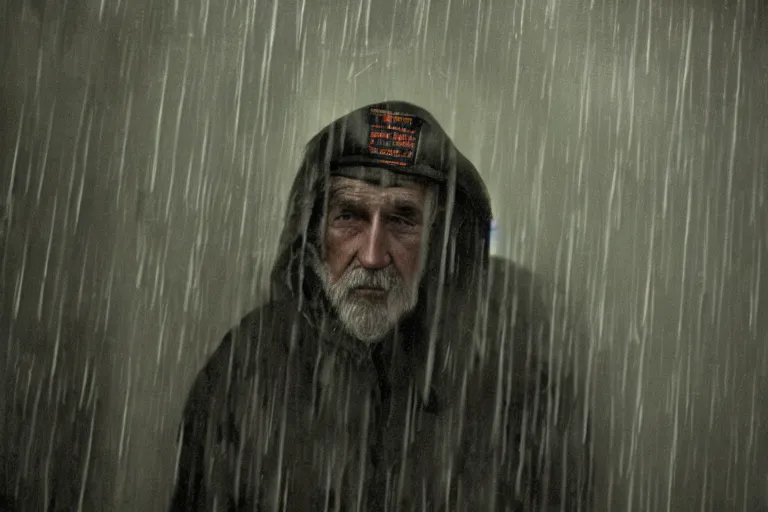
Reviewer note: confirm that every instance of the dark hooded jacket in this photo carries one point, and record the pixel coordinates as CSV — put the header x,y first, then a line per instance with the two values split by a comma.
x,y
462,407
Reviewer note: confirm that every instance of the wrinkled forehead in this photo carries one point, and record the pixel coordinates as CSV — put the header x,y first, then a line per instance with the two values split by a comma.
x,y
377,183
381,177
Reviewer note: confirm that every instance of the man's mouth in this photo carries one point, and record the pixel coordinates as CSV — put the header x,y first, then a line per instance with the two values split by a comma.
x,y
370,292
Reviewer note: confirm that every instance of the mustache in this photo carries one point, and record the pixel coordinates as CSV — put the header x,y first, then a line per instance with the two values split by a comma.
x,y
359,277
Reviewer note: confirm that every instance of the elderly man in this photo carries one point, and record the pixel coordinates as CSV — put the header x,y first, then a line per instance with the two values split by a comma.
x,y
390,370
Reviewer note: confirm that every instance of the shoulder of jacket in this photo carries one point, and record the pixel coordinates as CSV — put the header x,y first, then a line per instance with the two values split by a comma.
x,y
265,321
269,315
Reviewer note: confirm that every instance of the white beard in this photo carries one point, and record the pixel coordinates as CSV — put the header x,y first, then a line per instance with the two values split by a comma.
x,y
368,321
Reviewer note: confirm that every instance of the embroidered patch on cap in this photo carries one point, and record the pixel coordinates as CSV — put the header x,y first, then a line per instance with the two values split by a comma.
x,y
393,137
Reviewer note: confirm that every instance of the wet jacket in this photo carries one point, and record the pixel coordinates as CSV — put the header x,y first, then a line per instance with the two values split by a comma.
x,y
463,407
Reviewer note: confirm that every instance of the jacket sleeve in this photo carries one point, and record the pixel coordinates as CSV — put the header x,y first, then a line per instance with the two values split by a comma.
x,y
189,493
199,417
550,437
566,438
547,465
569,450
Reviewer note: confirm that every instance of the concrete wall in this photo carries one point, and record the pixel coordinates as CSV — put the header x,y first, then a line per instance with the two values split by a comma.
x,y
620,142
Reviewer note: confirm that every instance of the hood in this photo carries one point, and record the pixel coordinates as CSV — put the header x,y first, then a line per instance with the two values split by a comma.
x,y
407,140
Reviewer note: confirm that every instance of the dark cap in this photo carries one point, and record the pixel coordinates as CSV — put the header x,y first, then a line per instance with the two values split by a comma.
x,y
405,139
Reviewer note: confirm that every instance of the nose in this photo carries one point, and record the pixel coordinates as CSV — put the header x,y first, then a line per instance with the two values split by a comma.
x,y
374,249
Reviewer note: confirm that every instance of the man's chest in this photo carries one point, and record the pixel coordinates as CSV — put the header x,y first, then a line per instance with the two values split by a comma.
x,y
341,434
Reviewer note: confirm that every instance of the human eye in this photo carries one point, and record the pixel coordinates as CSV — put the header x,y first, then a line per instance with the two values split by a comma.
x,y
345,215
405,217
402,220
405,222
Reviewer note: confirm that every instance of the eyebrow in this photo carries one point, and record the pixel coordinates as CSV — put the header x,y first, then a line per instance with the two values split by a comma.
x,y
344,203
401,205
407,208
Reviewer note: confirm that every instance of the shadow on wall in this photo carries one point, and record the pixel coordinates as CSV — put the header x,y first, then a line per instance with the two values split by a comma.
x,y
52,379
54,247
52,400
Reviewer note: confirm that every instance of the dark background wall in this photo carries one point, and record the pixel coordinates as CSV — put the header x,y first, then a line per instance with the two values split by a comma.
x,y
147,149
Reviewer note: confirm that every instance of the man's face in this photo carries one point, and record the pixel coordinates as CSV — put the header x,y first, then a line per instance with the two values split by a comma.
x,y
374,248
